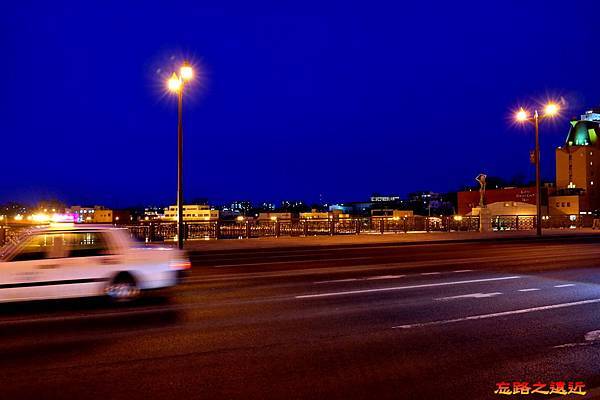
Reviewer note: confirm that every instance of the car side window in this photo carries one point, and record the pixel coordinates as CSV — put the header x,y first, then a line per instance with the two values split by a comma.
x,y
86,244
39,247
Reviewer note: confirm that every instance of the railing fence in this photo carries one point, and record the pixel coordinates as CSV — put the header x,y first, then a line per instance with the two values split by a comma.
x,y
162,231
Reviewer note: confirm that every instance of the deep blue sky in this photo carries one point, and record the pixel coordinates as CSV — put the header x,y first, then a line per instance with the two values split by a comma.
x,y
296,99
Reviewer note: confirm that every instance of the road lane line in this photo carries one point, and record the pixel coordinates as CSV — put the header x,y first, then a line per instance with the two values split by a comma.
x,y
470,296
388,289
339,280
565,285
529,290
289,262
383,277
498,314
462,270
376,278
370,278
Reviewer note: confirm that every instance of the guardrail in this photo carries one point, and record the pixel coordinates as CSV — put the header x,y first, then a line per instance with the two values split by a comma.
x,y
528,222
152,232
165,231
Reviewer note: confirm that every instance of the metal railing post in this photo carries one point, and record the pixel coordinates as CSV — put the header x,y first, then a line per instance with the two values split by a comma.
x,y
217,230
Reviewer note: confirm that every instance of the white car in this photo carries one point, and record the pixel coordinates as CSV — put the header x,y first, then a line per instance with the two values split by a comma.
x,y
82,261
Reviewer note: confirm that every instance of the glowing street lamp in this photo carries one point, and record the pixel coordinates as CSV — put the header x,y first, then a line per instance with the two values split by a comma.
x,y
176,84
186,72
550,110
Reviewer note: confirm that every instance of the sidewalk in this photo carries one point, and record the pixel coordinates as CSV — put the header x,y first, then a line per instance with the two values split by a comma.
x,y
374,239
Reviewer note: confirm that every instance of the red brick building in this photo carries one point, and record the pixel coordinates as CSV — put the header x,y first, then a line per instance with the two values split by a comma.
x,y
468,200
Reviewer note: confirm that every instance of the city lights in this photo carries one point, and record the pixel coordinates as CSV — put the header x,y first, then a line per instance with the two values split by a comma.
x,y
521,115
186,72
551,109
174,83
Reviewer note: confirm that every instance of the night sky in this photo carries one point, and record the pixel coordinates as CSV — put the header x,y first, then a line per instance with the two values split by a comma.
x,y
293,99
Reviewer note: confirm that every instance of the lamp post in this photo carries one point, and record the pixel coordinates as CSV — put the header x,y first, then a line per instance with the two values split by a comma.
x,y
176,84
550,110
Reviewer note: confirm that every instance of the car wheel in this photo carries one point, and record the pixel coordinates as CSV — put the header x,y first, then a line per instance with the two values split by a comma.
x,y
122,289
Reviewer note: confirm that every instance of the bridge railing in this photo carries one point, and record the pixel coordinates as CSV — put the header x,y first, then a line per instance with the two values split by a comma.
x,y
167,231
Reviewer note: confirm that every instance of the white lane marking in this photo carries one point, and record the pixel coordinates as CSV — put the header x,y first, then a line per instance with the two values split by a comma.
x,y
589,337
388,289
498,314
592,336
470,296
369,278
565,285
529,289
289,262
338,280
376,278
382,277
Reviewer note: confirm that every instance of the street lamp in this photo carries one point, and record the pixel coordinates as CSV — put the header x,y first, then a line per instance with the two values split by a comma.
x,y
550,110
176,84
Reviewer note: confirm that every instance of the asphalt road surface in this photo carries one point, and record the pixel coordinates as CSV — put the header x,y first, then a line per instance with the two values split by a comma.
x,y
434,321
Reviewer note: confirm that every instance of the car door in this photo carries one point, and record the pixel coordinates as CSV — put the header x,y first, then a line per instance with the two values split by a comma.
x,y
87,265
29,272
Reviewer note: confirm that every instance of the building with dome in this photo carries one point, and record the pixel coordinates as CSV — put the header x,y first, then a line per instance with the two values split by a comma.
x,y
578,168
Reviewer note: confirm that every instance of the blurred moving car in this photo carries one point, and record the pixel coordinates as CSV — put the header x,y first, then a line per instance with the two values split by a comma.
x,y
81,261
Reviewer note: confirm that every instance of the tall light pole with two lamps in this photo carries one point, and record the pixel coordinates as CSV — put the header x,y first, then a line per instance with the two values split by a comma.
x,y
550,110
176,84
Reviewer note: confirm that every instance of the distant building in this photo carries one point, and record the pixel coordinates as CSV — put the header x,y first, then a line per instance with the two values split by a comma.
x,y
469,199
90,214
509,208
267,206
578,162
390,213
241,206
153,213
192,212
564,205
102,216
274,216
377,198
314,214
341,208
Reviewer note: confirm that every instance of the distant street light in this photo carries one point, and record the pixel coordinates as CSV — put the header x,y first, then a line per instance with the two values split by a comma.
x,y
550,110
176,84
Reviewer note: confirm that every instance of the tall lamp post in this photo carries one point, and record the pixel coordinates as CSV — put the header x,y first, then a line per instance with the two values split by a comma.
x,y
176,84
550,110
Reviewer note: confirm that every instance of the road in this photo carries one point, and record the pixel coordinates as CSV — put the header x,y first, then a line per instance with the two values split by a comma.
x,y
434,321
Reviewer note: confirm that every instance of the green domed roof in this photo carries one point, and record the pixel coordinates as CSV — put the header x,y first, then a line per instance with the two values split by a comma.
x,y
583,133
